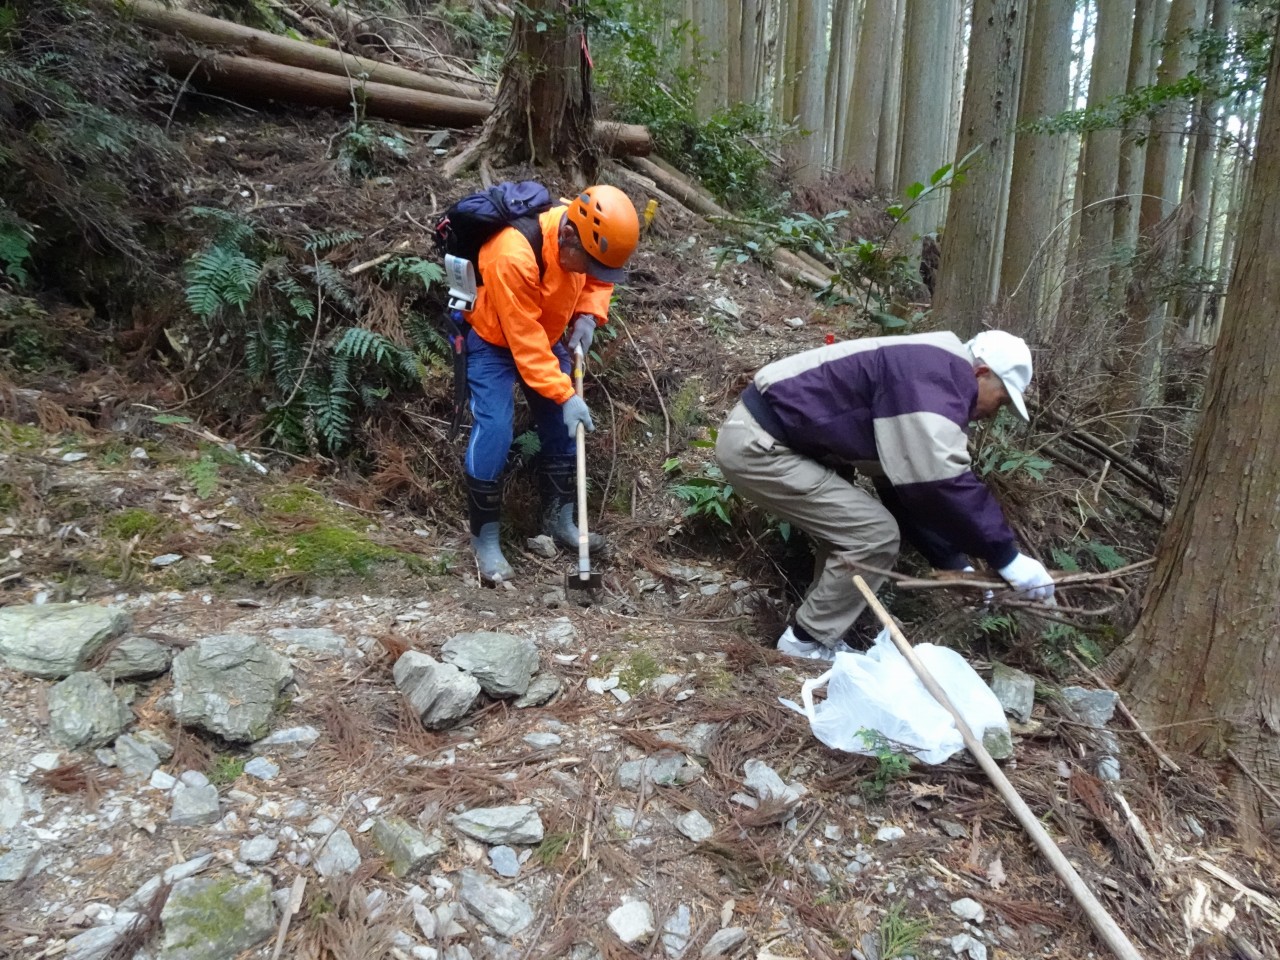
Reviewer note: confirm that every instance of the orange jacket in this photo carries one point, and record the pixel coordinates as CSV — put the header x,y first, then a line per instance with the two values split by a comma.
x,y
516,310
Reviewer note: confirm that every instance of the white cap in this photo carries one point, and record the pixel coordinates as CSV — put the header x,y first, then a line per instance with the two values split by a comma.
x,y
1009,359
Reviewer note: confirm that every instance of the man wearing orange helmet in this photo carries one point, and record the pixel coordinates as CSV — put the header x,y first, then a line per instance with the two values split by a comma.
x,y
517,325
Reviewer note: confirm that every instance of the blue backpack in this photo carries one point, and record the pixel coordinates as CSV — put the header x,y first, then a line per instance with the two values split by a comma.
x,y
463,229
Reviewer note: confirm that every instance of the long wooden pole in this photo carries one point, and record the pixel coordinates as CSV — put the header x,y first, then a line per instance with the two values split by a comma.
x,y
1102,921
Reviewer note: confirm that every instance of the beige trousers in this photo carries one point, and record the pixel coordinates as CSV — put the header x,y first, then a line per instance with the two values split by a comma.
x,y
846,523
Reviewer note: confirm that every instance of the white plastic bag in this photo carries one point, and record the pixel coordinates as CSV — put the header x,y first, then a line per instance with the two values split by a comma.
x,y
879,691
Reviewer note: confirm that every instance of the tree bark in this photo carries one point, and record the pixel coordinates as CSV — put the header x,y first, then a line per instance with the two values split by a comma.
x,y
711,55
866,100
969,271
751,43
213,32
808,72
1206,646
890,107
1100,169
543,113
1031,261
1133,142
925,109
844,24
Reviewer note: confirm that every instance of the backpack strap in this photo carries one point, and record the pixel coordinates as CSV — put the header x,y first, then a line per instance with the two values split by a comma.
x,y
531,229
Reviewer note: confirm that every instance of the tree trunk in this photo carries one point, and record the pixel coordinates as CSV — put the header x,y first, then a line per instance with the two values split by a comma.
x,y
844,26
925,112
711,55
1201,663
1099,177
751,45
808,73
1133,143
1031,261
970,248
544,112
866,99
891,106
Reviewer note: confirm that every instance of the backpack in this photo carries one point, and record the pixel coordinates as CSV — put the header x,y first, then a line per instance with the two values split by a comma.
x,y
465,227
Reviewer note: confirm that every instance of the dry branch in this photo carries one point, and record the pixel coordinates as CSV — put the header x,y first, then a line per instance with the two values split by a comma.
x,y
211,31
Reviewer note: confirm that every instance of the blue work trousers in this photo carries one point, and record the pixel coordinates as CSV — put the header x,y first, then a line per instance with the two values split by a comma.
x,y
491,377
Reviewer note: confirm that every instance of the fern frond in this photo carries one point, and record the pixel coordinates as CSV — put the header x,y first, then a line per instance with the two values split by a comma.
x,y
300,299
220,276
321,242
334,285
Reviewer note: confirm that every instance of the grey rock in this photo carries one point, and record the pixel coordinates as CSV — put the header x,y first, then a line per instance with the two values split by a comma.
x,y
998,742
54,640
964,944
229,685
319,643
260,768
543,546
339,856
193,778
406,848
504,861
293,742
890,834
259,849
1093,707
194,805
966,908
723,942
542,688
819,873
179,871
95,943
541,740
762,780
215,918
136,658
439,693
632,922
955,831
1015,690
163,749
496,825
84,712
500,910
677,932
1108,768
667,768
695,826
21,859
13,803
136,757
699,739
504,664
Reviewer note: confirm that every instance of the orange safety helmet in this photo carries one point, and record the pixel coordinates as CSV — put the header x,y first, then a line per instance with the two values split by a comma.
x,y
609,229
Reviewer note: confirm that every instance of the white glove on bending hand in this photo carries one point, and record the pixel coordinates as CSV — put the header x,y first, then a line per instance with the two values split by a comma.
x,y
1029,576
582,332
575,411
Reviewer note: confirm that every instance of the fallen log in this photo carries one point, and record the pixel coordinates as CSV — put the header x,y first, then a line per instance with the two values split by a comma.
x,y
258,79
213,32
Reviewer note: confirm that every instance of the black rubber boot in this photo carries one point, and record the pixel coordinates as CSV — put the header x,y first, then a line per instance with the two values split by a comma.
x,y
484,500
558,484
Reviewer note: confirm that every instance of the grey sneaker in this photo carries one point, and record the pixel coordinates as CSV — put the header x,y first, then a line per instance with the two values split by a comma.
x,y
793,646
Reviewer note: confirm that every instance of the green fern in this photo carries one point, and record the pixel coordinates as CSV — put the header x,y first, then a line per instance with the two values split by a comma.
x,y
1105,554
220,276
15,247
334,285
322,242
203,475
404,269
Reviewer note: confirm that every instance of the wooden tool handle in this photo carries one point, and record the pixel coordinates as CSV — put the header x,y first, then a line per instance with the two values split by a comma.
x,y
584,551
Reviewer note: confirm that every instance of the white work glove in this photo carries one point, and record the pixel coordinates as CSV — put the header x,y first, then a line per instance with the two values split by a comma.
x,y
574,410
581,332
1029,576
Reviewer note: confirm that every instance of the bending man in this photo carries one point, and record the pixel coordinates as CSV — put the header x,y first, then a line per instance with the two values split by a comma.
x,y
896,409
519,318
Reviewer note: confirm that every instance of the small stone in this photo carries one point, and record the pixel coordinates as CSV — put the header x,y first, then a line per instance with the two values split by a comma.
x,y
632,922
193,778
85,712
543,546
136,658
439,693
20,859
54,640
765,783
12,803
502,663
317,643
620,695
819,873
193,806
261,768
321,826
406,848
601,685
95,943
259,850
46,761
134,757
504,861
339,857
542,740
293,742
965,944
1109,769
498,825
889,834
1093,707
952,829
500,910
723,942
668,768
695,826
1015,690
677,932
795,323
542,688
967,908
229,685
210,918
162,781
166,559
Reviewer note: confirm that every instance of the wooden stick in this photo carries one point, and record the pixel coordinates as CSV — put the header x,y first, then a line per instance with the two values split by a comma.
x,y
378,260
666,420
292,907
1133,721
1268,906
904,582
1105,925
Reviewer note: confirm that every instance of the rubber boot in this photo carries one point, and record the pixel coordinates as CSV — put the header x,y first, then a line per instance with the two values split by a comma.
x,y
484,498
558,483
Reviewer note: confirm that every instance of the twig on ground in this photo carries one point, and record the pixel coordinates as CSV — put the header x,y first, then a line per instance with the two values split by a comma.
x,y
291,908
378,260
666,420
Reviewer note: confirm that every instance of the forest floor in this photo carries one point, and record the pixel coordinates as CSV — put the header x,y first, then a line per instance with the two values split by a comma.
x,y
673,661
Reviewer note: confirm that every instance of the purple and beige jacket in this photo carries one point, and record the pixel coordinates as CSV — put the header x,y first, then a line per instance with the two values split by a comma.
x,y
896,408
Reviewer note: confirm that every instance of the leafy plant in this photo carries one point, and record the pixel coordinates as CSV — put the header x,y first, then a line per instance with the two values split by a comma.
x,y
998,451
366,150
226,769
900,936
891,764
1059,638
706,494
16,239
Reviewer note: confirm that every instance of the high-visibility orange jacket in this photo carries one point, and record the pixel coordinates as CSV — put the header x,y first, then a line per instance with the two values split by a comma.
x,y
515,309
